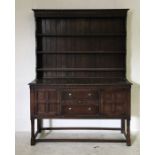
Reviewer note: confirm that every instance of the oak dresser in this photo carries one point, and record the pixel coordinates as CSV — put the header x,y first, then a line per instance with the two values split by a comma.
x,y
80,70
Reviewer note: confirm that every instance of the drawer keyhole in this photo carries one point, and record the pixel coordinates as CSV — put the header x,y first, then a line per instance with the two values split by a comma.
x,y
79,101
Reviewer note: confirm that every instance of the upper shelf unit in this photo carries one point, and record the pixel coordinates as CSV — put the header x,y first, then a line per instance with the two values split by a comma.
x,y
81,43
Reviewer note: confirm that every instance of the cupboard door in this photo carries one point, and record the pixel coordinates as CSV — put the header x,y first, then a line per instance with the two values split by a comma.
x,y
115,102
46,101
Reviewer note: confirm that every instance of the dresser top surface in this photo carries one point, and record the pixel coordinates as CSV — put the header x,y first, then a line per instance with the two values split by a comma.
x,y
37,10
80,81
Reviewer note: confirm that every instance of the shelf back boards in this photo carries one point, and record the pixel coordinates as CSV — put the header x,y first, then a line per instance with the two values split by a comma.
x,y
81,43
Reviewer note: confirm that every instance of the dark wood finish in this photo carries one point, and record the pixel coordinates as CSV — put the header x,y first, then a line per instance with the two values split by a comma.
x,y
122,125
39,125
80,70
128,133
47,101
115,101
89,13
78,128
82,140
32,132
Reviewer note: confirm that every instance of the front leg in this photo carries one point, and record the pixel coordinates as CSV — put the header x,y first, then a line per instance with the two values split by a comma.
x,y
39,125
32,131
122,125
128,133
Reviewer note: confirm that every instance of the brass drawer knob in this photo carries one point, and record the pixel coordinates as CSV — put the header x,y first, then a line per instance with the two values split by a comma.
x,y
70,94
79,101
89,94
89,109
69,108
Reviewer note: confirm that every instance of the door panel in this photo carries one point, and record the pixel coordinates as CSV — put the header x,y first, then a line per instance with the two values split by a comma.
x,y
47,102
115,102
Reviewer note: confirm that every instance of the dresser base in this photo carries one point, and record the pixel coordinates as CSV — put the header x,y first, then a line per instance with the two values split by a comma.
x,y
124,130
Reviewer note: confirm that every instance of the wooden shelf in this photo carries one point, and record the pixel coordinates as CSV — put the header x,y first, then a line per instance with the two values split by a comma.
x,y
81,35
74,48
80,52
80,77
80,69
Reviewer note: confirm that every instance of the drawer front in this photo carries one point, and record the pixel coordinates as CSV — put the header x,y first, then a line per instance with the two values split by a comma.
x,y
79,110
79,94
46,102
115,102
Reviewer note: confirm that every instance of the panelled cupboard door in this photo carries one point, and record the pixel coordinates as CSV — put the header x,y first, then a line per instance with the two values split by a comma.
x,y
115,102
47,102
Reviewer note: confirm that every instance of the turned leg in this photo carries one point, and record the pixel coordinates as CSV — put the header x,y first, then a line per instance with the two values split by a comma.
x,y
128,133
39,125
122,125
32,132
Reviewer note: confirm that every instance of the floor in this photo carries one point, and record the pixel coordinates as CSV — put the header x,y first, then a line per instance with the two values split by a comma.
x,y
23,146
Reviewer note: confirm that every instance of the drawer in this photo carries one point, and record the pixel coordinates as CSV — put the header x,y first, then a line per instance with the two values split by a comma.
x,y
80,110
79,94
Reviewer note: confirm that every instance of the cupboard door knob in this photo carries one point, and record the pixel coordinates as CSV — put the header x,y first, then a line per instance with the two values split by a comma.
x,y
89,109
89,94
70,94
69,108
